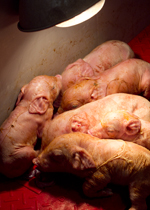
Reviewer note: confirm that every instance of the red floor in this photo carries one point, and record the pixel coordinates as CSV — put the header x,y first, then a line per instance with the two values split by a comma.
x,y
66,193
141,44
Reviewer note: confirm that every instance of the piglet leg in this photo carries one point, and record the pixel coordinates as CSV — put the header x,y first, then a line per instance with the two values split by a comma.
x,y
138,194
97,186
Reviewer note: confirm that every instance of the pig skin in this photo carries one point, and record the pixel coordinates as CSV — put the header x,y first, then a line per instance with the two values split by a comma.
x,y
20,131
123,125
89,115
130,76
100,162
98,60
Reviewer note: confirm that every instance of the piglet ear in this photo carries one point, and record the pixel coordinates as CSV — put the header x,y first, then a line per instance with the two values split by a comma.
x,y
21,94
133,127
78,62
99,91
86,70
39,105
82,159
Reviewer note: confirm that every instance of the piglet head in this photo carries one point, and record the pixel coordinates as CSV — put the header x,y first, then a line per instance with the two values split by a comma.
x,y
78,94
40,93
119,124
51,160
64,155
75,71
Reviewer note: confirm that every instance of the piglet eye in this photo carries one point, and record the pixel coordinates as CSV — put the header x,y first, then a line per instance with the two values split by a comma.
x,y
74,106
110,131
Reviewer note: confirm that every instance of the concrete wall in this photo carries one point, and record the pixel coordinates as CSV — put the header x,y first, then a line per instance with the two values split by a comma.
x,y
26,55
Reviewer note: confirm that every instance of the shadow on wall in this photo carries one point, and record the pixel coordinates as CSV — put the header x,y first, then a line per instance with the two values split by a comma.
x,y
9,8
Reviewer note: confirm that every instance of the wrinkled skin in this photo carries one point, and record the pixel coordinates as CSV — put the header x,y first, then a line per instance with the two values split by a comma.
x,y
123,125
89,115
130,76
21,130
100,162
98,60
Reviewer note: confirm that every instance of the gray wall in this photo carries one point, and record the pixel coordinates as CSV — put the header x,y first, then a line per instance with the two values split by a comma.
x,y
25,55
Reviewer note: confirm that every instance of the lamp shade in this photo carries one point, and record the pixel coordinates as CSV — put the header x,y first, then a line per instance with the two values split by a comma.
x,y
36,15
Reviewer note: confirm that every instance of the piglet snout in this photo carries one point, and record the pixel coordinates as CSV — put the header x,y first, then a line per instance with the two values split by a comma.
x,y
35,161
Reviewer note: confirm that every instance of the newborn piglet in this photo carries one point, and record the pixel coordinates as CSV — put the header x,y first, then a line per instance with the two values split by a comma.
x,y
21,132
99,163
130,76
97,61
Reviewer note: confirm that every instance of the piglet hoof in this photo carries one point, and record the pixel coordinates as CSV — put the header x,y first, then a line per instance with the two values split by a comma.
x,y
35,161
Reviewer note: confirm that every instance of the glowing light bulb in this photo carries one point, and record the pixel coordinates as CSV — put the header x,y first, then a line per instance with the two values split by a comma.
x,y
83,16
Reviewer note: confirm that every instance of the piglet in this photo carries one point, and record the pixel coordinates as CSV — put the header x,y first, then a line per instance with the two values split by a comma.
x,y
98,60
130,76
89,115
20,132
100,162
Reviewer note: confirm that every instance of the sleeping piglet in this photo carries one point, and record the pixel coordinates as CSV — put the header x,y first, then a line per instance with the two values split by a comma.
x,y
89,115
123,125
98,60
20,131
100,162
130,76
